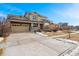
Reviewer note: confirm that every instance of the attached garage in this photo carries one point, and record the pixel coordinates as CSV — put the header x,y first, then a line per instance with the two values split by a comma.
x,y
18,27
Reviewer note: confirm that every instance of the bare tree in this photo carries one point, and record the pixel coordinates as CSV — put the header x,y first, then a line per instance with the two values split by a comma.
x,y
4,28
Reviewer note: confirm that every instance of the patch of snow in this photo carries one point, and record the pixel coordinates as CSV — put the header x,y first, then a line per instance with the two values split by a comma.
x,y
41,34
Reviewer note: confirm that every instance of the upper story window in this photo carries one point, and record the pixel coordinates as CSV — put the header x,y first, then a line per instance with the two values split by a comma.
x,y
33,17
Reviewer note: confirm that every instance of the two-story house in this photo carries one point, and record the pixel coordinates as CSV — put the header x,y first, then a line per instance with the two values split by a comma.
x,y
29,22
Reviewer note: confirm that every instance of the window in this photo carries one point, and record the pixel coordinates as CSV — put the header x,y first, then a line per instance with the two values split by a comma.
x,y
35,25
33,17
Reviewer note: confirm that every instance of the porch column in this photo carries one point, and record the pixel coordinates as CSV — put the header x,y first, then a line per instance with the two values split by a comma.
x,y
31,26
38,25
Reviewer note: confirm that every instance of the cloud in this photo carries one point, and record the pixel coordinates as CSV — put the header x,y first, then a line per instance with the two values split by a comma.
x,y
69,14
72,12
2,14
11,8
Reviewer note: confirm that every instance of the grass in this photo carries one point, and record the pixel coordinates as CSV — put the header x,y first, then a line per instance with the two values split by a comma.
x,y
74,37
54,33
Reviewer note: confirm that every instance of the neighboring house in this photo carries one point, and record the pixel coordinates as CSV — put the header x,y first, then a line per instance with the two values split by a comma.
x,y
76,27
29,22
71,27
63,25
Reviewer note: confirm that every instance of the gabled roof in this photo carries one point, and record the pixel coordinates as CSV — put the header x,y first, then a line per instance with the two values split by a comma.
x,y
15,17
34,13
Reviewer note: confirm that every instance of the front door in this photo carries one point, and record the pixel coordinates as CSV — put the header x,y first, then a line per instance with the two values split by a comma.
x,y
41,26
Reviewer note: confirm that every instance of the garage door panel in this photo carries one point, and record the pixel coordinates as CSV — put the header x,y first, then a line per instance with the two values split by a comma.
x,y
21,28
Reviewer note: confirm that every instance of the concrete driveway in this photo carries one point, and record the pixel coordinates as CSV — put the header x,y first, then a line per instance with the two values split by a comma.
x,y
31,44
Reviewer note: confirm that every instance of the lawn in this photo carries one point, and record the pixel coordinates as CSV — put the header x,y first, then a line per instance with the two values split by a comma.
x,y
74,37
54,33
